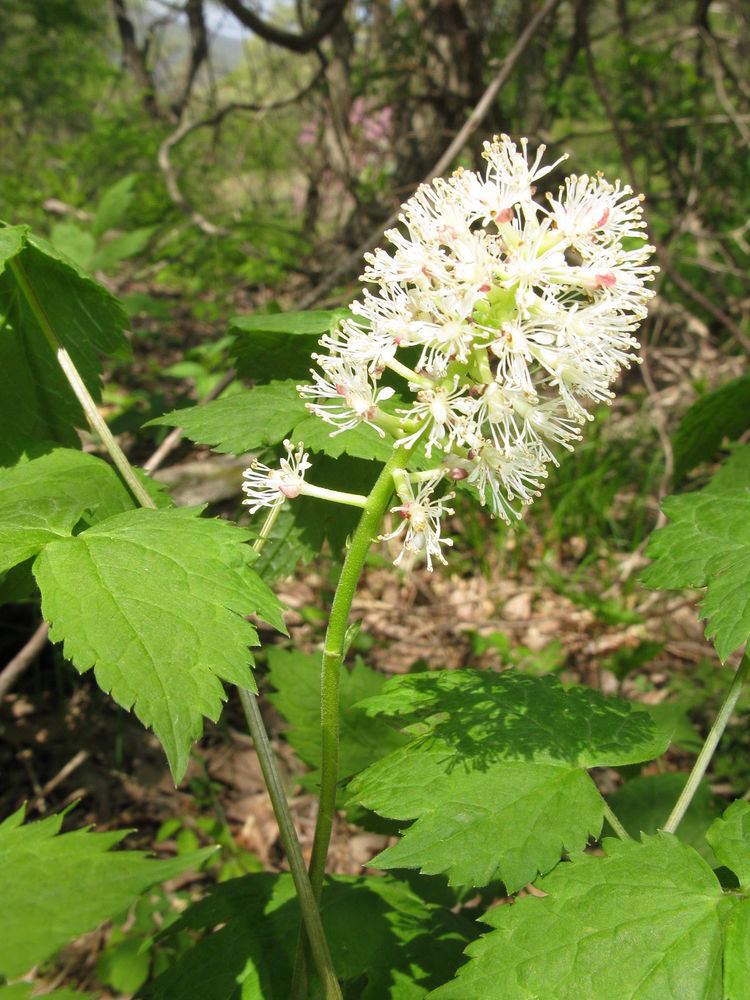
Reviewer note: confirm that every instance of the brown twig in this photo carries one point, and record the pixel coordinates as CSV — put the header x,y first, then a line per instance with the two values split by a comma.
x,y
182,131
472,123
23,659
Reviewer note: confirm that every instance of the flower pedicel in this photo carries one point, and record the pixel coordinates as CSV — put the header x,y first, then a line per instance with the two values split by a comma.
x,y
515,317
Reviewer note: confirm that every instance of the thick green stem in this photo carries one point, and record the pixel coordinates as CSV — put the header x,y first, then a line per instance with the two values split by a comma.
x,y
707,751
307,902
96,421
333,652
333,655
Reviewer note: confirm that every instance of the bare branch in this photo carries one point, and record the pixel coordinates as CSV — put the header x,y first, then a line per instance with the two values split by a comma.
x,y
134,58
23,659
330,14
198,52
472,123
183,130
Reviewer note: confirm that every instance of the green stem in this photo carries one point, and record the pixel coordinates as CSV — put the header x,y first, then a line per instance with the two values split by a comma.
x,y
289,840
614,822
707,751
307,902
333,655
364,535
334,496
96,421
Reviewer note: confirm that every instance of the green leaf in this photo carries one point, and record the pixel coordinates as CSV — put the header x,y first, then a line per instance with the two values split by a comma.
x,y
737,953
125,965
46,497
494,775
36,402
56,886
120,248
730,839
113,205
242,422
643,804
384,940
154,602
12,240
646,922
359,442
707,544
74,242
362,739
278,345
723,413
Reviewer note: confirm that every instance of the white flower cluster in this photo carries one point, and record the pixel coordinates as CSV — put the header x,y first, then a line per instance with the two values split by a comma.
x,y
507,319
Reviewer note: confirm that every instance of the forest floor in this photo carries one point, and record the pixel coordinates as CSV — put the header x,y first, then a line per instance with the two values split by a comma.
x,y
64,742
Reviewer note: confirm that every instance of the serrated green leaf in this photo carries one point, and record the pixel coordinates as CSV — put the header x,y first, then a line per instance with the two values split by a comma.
x,y
495,775
36,402
730,839
362,739
723,413
737,953
56,886
707,544
154,602
643,804
279,345
359,442
378,930
734,473
46,497
242,422
646,922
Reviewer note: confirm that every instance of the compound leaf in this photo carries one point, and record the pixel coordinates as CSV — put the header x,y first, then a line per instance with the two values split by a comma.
x,y
154,602
379,932
242,422
707,544
646,922
362,739
494,776
45,497
56,886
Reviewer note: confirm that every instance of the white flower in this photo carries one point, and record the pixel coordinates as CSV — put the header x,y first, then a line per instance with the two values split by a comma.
x,y
436,407
420,525
267,487
353,394
508,320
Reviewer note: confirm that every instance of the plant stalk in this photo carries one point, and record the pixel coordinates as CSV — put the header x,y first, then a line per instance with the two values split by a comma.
x,y
308,903
708,748
333,656
96,421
